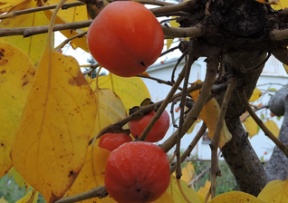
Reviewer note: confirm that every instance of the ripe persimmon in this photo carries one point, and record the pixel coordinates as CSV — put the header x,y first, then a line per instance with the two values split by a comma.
x,y
158,130
111,141
137,172
125,38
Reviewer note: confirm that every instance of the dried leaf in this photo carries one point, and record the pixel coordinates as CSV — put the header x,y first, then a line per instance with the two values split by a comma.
x,y
236,197
275,191
57,122
251,127
273,127
30,45
16,75
73,14
132,91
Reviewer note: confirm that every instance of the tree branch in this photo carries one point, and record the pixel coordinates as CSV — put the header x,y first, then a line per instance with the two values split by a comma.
x,y
278,35
215,171
193,32
29,31
99,192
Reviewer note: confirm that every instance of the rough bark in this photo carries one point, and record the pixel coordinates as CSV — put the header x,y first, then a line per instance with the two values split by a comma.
x,y
277,167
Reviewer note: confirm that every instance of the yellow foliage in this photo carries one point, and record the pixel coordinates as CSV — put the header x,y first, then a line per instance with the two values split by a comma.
x,y
236,197
2,200
92,173
255,95
30,197
16,75
132,91
174,195
110,109
273,127
251,127
275,191
286,66
210,114
188,172
32,46
205,190
74,14
57,122
281,4
6,5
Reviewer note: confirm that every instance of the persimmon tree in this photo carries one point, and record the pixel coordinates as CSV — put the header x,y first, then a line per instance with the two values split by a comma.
x,y
52,115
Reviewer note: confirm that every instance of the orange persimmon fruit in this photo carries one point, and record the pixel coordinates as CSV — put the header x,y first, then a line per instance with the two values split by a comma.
x,y
125,38
137,172
111,141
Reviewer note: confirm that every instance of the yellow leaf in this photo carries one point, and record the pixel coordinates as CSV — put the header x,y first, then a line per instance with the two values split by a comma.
x,y
205,190
275,191
32,46
255,95
73,14
16,74
187,173
210,114
132,91
110,109
55,128
92,173
286,66
251,127
236,197
2,200
282,4
6,5
273,127
30,197
173,194
17,177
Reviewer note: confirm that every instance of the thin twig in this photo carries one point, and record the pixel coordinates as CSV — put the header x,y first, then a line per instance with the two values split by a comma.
x,y
192,115
187,68
29,31
66,41
99,192
192,145
163,105
244,100
215,171
37,9
184,6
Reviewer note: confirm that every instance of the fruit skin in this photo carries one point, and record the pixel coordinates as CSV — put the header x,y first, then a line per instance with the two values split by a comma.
x,y
111,141
125,38
137,172
157,132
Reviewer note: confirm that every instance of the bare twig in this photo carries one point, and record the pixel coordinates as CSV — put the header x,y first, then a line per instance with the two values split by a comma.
x,y
193,32
187,68
192,145
282,146
215,171
99,192
185,6
278,35
163,105
37,9
29,31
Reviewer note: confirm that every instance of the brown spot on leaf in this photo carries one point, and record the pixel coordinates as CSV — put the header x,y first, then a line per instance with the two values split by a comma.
x,y
79,80
3,71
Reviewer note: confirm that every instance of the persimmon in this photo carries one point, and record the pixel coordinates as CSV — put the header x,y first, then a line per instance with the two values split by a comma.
x,y
125,38
137,172
158,130
111,141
